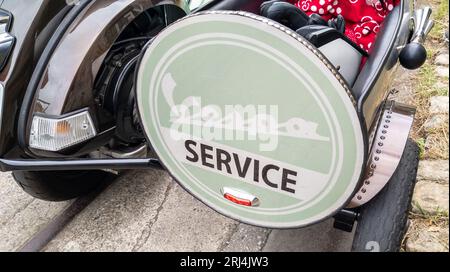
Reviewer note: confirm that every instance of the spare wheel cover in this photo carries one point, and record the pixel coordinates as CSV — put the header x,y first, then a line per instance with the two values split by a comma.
x,y
235,103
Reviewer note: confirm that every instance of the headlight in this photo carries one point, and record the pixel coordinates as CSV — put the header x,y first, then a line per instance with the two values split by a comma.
x,y
56,134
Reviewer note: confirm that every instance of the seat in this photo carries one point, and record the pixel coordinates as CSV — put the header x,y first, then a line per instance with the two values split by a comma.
x,y
328,37
344,54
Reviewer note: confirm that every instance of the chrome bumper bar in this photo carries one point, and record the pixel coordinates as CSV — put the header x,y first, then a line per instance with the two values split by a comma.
x,y
80,164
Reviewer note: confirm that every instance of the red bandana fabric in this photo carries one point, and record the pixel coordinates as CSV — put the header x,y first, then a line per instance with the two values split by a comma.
x,y
362,17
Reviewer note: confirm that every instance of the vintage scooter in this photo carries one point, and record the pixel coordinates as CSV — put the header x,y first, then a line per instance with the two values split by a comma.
x,y
266,120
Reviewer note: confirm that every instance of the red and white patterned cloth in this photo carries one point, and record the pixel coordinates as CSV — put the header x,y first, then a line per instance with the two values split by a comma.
x,y
362,17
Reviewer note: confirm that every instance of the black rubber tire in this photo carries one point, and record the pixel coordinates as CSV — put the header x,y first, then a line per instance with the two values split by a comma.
x,y
382,222
59,185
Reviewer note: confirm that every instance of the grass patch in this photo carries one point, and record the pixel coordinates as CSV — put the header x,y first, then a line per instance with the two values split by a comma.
x,y
438,217
434,225
440,16
421,144
428,79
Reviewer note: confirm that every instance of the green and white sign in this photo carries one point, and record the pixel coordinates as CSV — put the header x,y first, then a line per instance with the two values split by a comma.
x,y
250,120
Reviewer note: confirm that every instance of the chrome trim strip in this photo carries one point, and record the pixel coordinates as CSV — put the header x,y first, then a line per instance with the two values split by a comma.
x,y
5,20
387,150
77,164
138,152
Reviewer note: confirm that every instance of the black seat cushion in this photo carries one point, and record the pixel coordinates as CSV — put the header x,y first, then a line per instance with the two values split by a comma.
x,y
285,14
320,35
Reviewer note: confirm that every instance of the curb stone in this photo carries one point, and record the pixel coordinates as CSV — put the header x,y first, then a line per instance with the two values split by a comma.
x,y
430,198
434,171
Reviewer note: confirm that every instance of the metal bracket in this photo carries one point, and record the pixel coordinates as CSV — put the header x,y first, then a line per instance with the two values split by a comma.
x,y
386,151
345,219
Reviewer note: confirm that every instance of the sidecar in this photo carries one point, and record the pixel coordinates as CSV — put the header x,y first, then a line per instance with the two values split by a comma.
x,y
268,124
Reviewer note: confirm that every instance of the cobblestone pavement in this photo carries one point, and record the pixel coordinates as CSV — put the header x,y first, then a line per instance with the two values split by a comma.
x,y
431,195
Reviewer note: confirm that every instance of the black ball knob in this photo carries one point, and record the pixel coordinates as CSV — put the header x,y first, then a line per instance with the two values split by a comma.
x,y
413,55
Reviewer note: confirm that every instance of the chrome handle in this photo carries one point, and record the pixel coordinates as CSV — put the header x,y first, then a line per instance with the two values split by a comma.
x,y
422,25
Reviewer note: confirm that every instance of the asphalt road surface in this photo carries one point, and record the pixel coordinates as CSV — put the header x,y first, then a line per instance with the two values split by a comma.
x,y
148,211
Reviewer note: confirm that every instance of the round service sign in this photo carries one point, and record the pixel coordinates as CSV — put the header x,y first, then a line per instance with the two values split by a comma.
x,y
251,119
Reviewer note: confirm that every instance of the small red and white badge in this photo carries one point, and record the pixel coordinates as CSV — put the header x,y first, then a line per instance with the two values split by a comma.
x,y
239,197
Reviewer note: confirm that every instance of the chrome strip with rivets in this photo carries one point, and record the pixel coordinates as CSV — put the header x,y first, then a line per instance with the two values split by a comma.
x,y
386,152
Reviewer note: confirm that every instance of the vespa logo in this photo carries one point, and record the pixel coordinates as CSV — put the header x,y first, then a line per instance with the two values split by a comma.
x,y
200,136
232,122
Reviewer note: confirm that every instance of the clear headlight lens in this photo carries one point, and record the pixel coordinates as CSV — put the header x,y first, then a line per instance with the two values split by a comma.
x,y
56,134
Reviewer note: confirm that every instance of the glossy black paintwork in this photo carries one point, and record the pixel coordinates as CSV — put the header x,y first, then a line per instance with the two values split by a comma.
x,y
67,83
69,78
6,46
374,82
32,29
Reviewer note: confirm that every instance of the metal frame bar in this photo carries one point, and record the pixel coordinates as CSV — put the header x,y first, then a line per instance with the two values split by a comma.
x,y
77,164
